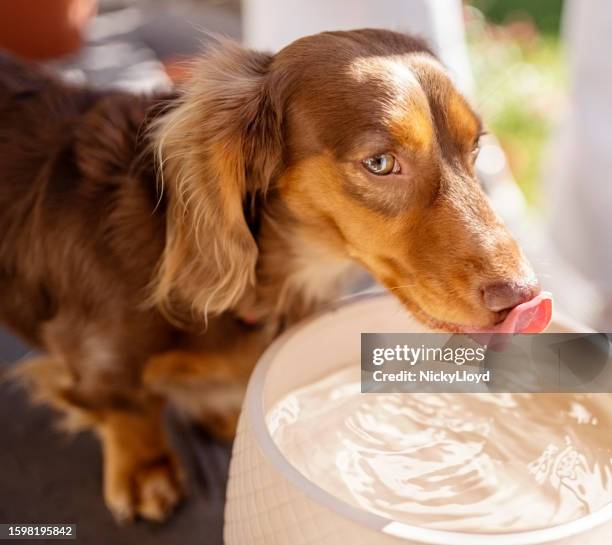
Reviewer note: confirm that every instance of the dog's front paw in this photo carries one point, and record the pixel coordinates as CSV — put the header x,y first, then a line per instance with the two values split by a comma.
x,y
148,489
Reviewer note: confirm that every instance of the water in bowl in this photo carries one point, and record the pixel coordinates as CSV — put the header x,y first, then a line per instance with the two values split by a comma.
x,y
487,463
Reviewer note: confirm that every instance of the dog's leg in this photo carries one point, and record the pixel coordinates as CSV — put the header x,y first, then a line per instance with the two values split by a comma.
x,y
101,389
208,385
142,476
202,386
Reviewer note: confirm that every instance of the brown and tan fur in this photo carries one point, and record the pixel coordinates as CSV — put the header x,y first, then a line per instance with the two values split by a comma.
x,y
153,246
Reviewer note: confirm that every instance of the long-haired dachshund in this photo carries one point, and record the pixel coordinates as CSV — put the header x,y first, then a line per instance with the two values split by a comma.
x,y
153,246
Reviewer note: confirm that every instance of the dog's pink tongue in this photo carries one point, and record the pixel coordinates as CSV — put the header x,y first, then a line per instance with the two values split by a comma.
x,y
530,317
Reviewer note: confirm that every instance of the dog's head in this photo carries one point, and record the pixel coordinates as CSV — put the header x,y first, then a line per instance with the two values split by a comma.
x,y
370,149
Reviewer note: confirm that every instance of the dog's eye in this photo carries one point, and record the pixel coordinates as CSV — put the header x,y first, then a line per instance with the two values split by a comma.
x,y
382,164
476,147
475,151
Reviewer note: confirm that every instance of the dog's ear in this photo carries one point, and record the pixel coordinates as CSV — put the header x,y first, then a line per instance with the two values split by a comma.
x,y
216,149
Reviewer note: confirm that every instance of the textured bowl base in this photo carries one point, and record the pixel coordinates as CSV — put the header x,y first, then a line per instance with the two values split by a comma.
x,y
270,503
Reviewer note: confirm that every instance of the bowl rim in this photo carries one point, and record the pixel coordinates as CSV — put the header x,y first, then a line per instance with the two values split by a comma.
x,y
255,411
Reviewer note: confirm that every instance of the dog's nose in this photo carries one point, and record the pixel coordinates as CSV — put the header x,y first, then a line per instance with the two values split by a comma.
x,y
503,295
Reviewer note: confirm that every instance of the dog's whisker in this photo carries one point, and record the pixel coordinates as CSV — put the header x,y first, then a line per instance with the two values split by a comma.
x,y
393,288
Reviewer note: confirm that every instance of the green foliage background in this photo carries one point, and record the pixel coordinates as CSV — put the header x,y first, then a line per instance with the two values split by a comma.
x,y
519,67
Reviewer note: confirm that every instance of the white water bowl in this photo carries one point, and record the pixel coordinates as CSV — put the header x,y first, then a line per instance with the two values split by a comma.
x,y
269,502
